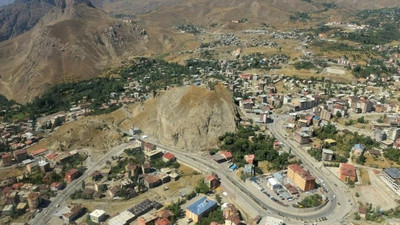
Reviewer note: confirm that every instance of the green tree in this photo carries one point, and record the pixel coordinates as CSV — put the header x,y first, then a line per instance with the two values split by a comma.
x,y
218,198
338,114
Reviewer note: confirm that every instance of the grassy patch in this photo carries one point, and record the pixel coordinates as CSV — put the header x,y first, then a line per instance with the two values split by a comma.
x,y
364,176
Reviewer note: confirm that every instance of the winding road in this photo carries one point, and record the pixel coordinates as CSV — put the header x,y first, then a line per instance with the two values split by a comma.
x,y
337,210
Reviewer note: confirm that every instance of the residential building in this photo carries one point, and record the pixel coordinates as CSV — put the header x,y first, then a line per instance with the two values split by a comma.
x,y
168,157
304,180
358,149
44,166
325,115
98,215
365,105
152,154
162,221
148,146
347,172
212,181
55,186
114,191
379,135
327,154
393,133
7,159
123,218
302,138
152,181
71,175
144,207
391,176
200,208
34,200
72,213
230,214
7,210
20,155
32,167
227,155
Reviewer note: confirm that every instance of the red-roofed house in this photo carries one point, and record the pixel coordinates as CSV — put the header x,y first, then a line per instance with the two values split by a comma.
x,y
7,159
17,186
168,157
212,181
52,156
55,186
148,146
347,172
39,152
226,154
163,221
71,175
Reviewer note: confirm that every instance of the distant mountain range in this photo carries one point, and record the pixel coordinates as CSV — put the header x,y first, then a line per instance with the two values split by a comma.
x,y
43,42
73,41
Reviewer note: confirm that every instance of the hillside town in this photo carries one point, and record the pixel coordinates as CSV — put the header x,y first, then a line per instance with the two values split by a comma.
x,y
315,137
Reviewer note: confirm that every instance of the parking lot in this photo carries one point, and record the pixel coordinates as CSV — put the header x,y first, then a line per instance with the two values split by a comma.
x,y
284,191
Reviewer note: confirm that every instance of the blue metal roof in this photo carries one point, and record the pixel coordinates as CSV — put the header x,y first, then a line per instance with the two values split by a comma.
x,y
277,176
202,205
359,146
394,173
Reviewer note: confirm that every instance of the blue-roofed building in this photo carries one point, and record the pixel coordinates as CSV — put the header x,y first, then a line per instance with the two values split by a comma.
x,y
358,149
278,176
391,176
200,208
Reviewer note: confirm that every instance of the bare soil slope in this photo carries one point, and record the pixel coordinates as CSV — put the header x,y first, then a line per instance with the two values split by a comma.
x,y
74,41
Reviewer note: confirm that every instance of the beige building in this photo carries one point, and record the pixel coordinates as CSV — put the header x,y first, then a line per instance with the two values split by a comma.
x,y
304,180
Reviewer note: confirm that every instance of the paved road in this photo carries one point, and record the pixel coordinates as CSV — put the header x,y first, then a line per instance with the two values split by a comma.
x,y
332,210
44,217
342,202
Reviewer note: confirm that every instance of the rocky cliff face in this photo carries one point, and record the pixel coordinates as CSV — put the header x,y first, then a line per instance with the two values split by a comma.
x,y
189,118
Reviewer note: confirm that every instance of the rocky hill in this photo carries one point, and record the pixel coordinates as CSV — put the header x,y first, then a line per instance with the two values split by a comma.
x,y
189,118
73,41
21,16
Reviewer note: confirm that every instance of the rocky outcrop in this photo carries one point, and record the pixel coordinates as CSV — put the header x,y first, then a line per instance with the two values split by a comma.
x,y
189,118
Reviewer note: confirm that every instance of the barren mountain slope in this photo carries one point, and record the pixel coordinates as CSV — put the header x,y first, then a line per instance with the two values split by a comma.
x,y
21,16
129,7
73,41
190,118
